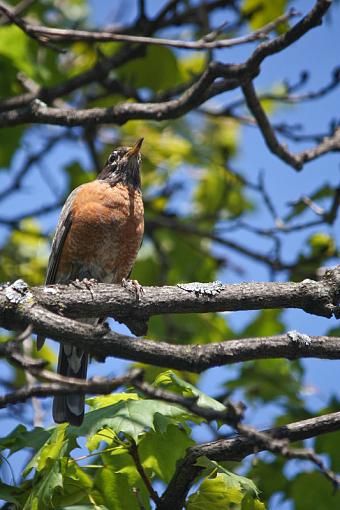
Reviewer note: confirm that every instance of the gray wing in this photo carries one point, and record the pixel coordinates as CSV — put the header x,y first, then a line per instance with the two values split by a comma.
x,y
59,238
63,227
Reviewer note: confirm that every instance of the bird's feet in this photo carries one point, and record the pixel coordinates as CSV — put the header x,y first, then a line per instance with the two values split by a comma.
x,y
133,286
87,283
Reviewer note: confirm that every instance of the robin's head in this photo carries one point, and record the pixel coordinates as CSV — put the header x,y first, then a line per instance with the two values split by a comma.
x,y
123,165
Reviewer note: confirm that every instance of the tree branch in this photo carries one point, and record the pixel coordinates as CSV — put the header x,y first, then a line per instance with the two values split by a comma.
x,y
59,385
236,449
315,297
24,109
20,310
68,35
328,144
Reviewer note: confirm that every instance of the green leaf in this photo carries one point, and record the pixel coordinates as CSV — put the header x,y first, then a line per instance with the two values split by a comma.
x,y
328,444
10,142
244,483
24,254
21,438
11,494
224,491
108,400
130,417
173,382
160,452
191,66
76,485
118,484
157,70
16,46
190,328
41,496
249,503
266,323
270,380
269,476
333,332
320,247
55,447
313,490
264,11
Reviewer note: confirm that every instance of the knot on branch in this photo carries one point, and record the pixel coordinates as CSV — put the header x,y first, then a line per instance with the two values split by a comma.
x,y
322,298
18,292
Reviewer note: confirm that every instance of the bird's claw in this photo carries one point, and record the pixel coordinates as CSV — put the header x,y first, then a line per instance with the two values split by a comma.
x,y
133,286
88,283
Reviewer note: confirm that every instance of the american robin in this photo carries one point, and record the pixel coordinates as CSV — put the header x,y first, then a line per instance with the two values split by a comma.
x,y
98,236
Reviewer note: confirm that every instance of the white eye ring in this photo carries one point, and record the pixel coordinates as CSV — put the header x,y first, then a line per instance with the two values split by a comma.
x,y
112,157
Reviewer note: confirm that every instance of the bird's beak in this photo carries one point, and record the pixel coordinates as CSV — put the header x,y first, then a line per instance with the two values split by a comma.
x,y
135,149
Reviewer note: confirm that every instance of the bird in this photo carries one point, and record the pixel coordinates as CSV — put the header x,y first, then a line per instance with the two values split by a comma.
x,y
98,236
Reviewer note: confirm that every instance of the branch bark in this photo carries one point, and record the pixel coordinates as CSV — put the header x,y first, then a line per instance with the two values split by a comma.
x,y
195,358
21,307
315,297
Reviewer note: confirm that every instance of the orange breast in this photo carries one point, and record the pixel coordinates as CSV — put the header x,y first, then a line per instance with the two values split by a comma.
x,y
106,231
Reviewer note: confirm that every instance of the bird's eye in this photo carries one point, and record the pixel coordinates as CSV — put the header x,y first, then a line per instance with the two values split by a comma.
x,y
112,157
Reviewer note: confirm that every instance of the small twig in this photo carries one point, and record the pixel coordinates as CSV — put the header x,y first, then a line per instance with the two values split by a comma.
x,y
313,206
133,450
24,335
67,35
31,380
263,440
60,385
232,414
141,10
29,29
296,161
17,10
268,202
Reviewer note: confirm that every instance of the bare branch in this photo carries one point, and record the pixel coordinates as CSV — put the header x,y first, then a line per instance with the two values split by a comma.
x,y
102,386
16,11
28,163
24,109
328,144
68,35
319,298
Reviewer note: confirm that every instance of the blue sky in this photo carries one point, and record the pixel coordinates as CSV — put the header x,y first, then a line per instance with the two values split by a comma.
x,y
317,52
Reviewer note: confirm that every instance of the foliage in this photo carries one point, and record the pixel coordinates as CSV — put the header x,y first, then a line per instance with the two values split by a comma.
x,y
158,431
196,201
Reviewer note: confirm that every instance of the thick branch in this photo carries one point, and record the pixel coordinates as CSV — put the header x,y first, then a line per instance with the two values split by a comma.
x,y
236,449
319,298
195,358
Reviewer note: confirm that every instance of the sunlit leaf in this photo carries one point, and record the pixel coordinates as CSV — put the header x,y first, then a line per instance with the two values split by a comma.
x,y
130,417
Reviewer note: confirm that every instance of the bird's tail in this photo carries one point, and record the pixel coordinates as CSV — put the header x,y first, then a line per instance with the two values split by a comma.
x,y
72,362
